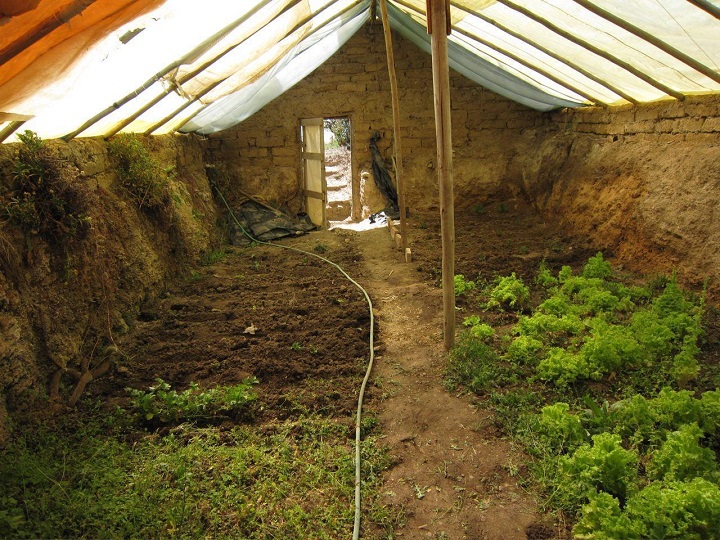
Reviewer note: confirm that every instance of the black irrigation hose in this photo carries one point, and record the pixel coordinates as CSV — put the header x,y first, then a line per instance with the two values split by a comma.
x,y
358,416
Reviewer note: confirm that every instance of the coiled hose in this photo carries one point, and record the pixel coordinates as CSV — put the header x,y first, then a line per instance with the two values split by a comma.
x,y
361,396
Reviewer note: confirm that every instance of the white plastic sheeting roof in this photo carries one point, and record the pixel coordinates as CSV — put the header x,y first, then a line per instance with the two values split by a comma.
x,y
95,67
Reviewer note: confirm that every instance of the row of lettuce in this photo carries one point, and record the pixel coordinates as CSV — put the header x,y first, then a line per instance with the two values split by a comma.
x,y
599,380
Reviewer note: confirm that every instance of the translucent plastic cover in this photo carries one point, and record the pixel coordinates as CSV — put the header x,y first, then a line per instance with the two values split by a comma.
x,y
72,68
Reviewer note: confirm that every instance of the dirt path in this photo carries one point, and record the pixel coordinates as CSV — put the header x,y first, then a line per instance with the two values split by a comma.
x,y
450,480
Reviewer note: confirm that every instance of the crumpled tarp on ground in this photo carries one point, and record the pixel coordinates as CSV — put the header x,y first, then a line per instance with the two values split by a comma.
x,y
264,224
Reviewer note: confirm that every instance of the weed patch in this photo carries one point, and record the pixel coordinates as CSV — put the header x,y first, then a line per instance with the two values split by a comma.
x,y
289,479
140,174
47,196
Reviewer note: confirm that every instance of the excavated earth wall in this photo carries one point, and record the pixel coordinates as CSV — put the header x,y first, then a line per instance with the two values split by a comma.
x,y
642,182
63,303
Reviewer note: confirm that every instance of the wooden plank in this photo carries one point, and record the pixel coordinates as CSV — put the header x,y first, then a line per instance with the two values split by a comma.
x,y
317,156
314,194
438,13
312,122
397,139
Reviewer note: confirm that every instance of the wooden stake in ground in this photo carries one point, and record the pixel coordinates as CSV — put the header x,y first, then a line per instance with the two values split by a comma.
x,y
439,26
396,121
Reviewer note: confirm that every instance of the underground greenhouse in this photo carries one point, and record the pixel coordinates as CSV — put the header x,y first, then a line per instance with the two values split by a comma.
x,y
323,269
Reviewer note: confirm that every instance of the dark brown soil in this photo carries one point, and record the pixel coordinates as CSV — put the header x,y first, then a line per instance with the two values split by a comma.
x,y
288,319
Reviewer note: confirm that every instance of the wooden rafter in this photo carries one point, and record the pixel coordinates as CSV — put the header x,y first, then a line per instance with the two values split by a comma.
x,y
298,27
659,43
43,29
552,54
510,54
709,7
11,128
191,75
167,69
593,49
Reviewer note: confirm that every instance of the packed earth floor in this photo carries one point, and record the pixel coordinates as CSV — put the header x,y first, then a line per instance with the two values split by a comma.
x,y
301,328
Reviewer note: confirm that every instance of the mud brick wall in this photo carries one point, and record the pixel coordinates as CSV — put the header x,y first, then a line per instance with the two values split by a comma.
x,y
263,152
696,116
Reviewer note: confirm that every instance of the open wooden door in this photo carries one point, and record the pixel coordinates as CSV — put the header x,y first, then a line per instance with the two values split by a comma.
x,y
313,158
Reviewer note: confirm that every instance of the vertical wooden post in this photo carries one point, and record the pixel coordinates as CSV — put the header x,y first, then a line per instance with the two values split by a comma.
x,y
396,122
438,25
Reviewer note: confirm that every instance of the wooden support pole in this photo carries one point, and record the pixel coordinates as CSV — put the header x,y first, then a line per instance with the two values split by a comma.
x,y
438,25
396,122
11,128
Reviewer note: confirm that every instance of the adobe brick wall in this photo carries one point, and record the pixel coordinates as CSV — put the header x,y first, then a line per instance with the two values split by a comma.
x,y
263,152
698,116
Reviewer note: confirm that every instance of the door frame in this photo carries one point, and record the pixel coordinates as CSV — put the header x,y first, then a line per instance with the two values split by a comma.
x,y
307,159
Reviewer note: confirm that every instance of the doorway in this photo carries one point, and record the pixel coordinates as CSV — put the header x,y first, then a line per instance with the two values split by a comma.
x,y
327,169
338,169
